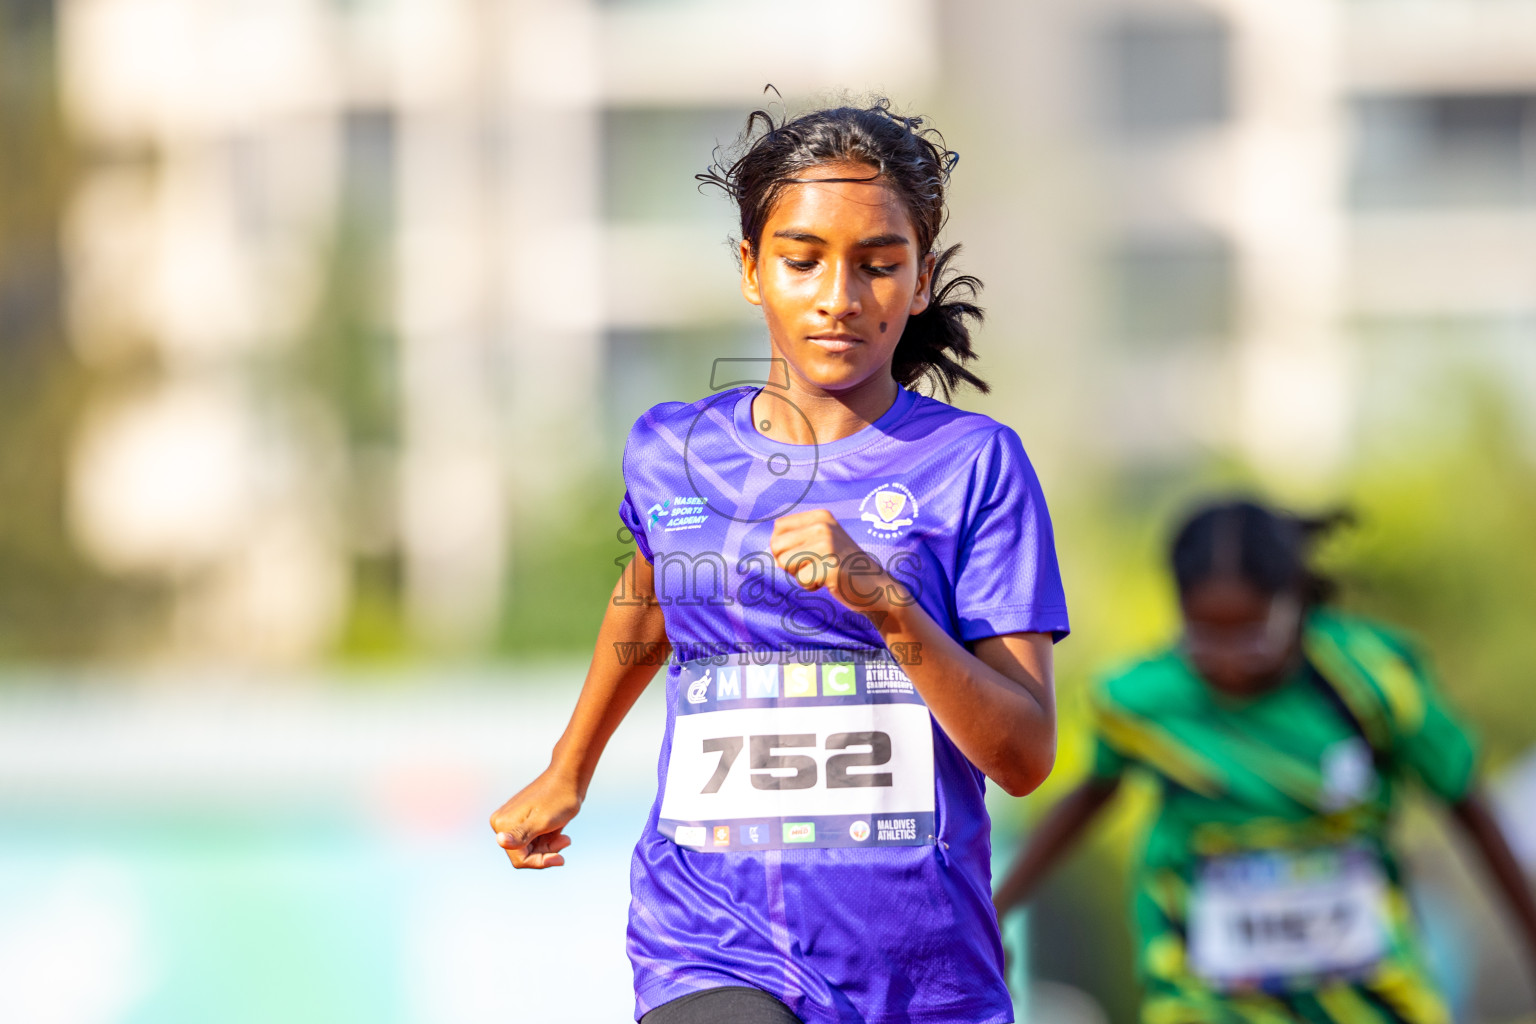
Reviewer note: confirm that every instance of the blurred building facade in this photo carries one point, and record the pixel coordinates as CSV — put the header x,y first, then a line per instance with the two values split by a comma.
x,y
379,281
380,254
1269,228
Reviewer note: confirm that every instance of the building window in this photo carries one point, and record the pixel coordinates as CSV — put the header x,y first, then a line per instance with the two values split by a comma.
x,y
1167,73
651,155
1444,150
369,166
24,17
1173,290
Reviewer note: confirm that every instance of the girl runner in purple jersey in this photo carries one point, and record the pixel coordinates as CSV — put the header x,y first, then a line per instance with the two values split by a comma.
x,y
876,640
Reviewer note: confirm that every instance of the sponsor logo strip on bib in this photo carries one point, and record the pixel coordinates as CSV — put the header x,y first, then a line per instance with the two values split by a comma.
x,y
798,754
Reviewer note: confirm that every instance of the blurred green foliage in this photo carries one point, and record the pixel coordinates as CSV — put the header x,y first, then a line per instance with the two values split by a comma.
x,y
348,359
561,575
1446,547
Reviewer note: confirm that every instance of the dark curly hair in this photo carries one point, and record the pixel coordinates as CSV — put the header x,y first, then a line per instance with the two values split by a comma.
x,y
1264,547
913,161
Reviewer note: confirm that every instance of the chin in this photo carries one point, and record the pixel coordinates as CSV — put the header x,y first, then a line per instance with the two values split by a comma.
x,y
835,382
831,373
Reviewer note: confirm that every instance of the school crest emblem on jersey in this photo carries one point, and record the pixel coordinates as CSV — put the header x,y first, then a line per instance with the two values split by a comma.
x,y
888,509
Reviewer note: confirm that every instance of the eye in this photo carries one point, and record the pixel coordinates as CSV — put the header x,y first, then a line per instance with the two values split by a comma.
x,y
799,265
882,269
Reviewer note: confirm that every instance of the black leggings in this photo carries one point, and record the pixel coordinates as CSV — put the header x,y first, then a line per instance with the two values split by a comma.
x,y
734,1004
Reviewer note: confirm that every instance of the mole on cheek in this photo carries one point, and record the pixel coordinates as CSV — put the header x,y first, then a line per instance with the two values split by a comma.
x,y
883,326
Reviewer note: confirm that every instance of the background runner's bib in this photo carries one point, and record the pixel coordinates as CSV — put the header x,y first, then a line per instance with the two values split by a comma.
x,y
797,754
1264,917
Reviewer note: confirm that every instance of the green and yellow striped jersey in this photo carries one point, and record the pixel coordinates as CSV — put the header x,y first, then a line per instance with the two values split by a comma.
x,y
1305,774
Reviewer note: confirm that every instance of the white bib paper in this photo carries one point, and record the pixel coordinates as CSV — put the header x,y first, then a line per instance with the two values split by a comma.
x,y
1265,917
796,755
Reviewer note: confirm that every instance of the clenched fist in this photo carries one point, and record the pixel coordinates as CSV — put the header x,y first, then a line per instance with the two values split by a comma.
x,y
529,825
814,548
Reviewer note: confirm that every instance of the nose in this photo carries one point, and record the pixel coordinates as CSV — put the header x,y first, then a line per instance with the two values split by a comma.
x,y
839,298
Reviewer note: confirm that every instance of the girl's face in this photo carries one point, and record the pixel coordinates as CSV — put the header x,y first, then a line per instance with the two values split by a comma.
x,y
1240,639
837,272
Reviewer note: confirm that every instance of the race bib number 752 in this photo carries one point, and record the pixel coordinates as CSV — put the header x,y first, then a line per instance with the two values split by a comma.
x,y
799,754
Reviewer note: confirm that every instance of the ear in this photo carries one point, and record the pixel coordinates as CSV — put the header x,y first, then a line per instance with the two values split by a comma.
x,y
749,288
924,292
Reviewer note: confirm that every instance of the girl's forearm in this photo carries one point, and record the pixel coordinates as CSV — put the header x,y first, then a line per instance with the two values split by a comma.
x,y
605,700
631,645
1002,715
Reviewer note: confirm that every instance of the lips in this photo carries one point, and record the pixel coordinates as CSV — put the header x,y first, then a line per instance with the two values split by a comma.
x,y
835,342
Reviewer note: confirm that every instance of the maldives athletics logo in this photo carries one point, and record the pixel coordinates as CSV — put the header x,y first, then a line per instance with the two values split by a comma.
x,y
888,509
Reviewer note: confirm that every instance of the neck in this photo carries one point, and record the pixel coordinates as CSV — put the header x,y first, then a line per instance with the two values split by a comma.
x,y
826,415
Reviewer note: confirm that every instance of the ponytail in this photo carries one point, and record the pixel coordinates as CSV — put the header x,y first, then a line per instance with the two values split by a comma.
x,y
1317,587
937,342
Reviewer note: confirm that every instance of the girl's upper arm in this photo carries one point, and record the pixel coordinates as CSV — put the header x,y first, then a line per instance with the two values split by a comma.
x,y
1026,658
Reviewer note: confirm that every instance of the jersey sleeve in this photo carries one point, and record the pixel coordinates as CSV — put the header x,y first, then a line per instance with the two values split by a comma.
x,y
632,506
1433,744
1008,579
635,525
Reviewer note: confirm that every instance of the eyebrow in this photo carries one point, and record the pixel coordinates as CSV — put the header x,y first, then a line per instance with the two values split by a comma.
x,y
873,242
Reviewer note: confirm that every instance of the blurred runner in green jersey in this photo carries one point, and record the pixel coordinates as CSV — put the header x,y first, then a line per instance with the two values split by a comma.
x,y
1280,732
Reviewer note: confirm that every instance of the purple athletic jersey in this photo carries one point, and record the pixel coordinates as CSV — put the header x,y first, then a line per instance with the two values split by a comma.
x,y
815,833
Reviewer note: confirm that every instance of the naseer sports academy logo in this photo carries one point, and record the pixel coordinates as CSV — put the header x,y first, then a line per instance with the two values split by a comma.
x,y
680,513
888,509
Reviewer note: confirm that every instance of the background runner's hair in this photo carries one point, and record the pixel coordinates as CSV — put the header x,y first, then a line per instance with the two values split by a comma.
x,y
1264,547
907,157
